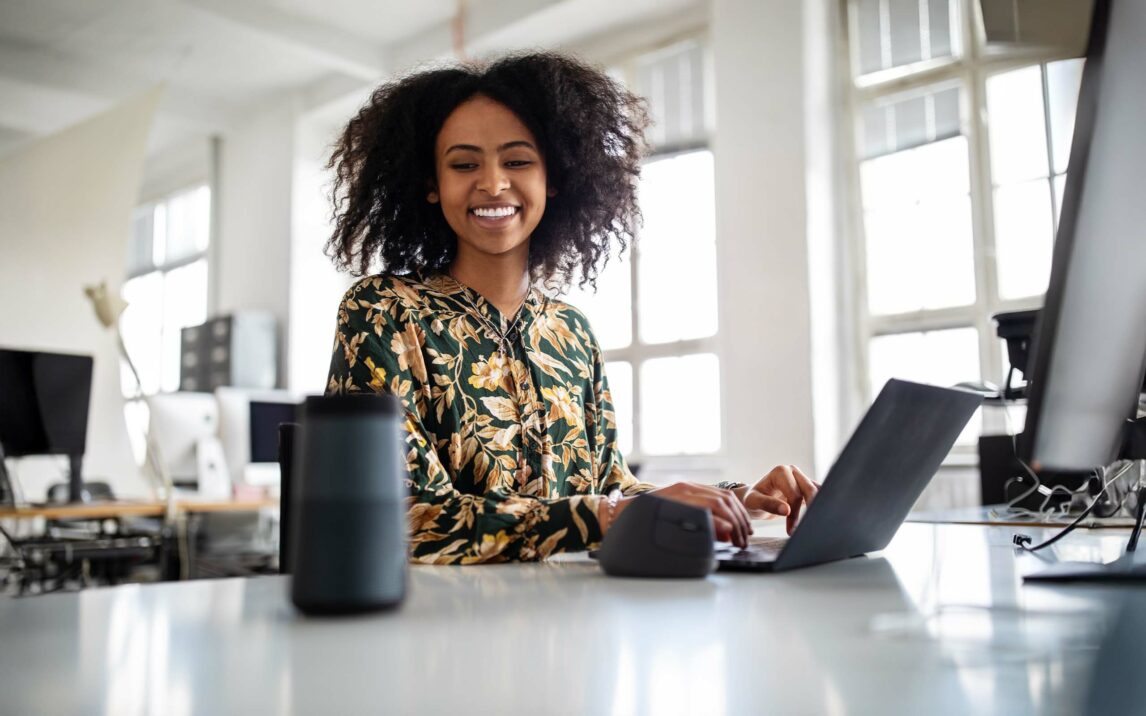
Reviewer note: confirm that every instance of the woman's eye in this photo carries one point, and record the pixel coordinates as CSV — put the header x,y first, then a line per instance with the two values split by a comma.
x,y
463,166
518,163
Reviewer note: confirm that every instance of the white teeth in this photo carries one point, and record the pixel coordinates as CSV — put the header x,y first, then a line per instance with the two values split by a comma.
x,y
495,212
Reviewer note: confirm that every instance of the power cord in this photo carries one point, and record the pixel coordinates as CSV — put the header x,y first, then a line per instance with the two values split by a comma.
x,y
1023,541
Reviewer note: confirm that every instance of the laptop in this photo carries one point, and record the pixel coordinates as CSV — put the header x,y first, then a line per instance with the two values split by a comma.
x,y
873,484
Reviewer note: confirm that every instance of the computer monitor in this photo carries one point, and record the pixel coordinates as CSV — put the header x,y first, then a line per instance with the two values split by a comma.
x,y
179,423
1089,350
44,399
248,425
265,420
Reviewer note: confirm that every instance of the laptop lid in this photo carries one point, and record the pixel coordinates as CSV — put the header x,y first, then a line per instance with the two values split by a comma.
x,y
889,459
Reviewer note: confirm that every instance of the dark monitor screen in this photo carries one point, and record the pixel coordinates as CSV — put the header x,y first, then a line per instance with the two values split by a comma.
x,y
1089,352
44,399
265,419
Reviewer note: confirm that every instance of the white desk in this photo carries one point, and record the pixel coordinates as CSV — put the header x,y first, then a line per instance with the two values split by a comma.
x,y
941,623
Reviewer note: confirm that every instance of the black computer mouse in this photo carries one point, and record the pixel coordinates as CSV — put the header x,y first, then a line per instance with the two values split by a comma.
x,y
658,537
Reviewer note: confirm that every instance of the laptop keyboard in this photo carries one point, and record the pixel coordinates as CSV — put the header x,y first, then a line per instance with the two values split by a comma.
x,y
759,549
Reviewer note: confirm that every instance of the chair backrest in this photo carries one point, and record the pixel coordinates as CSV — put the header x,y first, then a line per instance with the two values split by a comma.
x,y
287,433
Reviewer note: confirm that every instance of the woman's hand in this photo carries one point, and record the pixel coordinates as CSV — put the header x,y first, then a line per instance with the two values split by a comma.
x,y
729,516
783,491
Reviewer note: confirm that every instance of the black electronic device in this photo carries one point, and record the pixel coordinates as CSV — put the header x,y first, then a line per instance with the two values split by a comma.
x,y
658,537
1089,351
892,455
1088,356
264,429
44,400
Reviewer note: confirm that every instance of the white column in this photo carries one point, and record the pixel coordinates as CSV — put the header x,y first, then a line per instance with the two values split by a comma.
x,y
762,237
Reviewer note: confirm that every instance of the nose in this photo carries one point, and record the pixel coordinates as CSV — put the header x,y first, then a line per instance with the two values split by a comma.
x,y
493,179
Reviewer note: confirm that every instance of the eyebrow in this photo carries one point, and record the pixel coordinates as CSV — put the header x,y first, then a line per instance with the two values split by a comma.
x,y
502,148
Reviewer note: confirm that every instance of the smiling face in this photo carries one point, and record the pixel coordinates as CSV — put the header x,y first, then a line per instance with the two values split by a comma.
x,y
491,180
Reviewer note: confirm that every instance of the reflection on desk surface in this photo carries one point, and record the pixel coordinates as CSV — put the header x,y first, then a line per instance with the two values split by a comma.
x,y
939,623
1003,515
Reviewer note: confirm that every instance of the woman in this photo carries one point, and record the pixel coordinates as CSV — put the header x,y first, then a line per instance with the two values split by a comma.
x,y
473,188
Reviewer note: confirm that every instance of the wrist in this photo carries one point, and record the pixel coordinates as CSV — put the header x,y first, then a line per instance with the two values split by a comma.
x,y
737,488
608,509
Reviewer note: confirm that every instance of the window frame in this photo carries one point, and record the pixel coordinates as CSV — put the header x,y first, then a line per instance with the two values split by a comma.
x,y
969,68
638,351
168,265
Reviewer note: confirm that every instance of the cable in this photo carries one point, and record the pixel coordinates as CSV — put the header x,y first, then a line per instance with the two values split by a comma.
x,y
1141,513
1015,447
1022,541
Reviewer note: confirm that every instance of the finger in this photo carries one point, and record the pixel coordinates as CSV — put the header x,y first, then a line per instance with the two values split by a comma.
x,y
737,507
794,515
724,530
718,501
808,488
757,500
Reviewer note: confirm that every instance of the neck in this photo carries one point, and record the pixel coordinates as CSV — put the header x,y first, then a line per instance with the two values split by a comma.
x,y
502,280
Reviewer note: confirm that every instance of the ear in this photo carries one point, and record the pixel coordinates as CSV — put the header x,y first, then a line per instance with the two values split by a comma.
x,y
551,192
432,197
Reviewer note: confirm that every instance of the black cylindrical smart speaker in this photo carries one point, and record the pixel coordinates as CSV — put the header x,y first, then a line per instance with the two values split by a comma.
x,y
348,517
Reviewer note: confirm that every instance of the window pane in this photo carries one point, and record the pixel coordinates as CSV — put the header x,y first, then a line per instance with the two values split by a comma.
x,y
939,23
188,220
142,326
920,257
1063,81
141,243
917,229
1017,135
905,31
895,33
943,358
933,170
1024,238
620,375
184,304
677,248
869,45
908,121
672,82
680,405
609,309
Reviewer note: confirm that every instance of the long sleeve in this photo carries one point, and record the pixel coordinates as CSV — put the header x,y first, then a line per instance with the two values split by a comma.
x,y
614,472
381,346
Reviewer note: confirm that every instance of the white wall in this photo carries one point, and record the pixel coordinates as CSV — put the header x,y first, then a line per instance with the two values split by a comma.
x,y
251,267
762,237
65,216
315,286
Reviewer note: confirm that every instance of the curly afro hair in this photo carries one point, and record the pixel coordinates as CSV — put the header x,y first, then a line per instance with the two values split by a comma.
x,y
591,135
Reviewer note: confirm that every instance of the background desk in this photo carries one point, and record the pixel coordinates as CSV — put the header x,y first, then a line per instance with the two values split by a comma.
x,y
111,510
941,623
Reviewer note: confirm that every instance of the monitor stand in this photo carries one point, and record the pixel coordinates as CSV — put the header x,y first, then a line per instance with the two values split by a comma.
x,y
75,479
1130,567
7,493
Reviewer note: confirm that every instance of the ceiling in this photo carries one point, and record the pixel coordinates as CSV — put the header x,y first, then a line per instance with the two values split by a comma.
x,y
62,61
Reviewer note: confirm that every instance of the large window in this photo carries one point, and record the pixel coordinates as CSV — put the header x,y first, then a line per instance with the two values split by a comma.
x,y
961,154
166,288
655,312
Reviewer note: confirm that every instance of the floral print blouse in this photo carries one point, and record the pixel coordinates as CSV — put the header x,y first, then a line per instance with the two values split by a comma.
x,y
512,443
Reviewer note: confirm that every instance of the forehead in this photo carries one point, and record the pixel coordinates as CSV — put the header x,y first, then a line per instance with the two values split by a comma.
x,y
482,122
